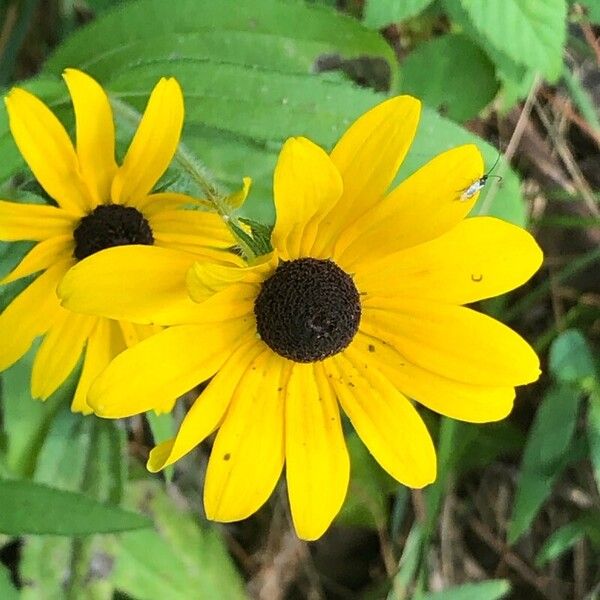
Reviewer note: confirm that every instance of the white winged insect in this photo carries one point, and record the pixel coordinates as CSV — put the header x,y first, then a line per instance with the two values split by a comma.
x,y
478,184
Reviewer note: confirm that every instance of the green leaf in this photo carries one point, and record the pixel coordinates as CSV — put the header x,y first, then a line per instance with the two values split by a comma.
x,y
366,503
514,77
450,73
294,28
545,455
379,13
588,525
30,507
238,114
571,360
484,590
179,556
7,589
530,32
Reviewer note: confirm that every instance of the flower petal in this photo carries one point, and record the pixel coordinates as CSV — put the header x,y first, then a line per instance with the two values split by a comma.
x,y
155,203
41,256
368,157
34,221
104,343
47,148
452,341
385,420
59,352
146,285
454,399
317,461
205,279
143,284
153,144
95,133
480,258
248,454
191,228
421,208
30,314
306,184
207,411
163,366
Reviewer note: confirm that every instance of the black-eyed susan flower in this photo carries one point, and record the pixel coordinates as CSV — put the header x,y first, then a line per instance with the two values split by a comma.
x,y
361,304
99,204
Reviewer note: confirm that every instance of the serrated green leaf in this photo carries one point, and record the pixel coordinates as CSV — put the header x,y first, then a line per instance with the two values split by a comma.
x,y
587,525
530,32
30,507
451,74
237,116
292,22
483,590
379,13
571,360
545,455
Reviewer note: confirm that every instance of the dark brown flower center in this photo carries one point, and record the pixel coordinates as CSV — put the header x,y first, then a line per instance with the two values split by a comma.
x,y
307,310
111,225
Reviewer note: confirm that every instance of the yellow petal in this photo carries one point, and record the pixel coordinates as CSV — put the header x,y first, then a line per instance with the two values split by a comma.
x,y
421,208
34,221
191,227
104,343
95,133
47,148
205,279
238,198
30,314
133,333
452,341
317,462
144,284
41,256
155,203
368,157
207,411
306,184
153,144
479,258
162,367
462,401
59,353
248,454
385,420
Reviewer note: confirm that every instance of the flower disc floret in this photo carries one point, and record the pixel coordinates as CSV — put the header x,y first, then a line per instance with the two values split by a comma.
x,y
111,225
307,310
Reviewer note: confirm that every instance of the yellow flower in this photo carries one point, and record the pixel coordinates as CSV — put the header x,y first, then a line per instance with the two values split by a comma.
x,y
360,304
98,204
